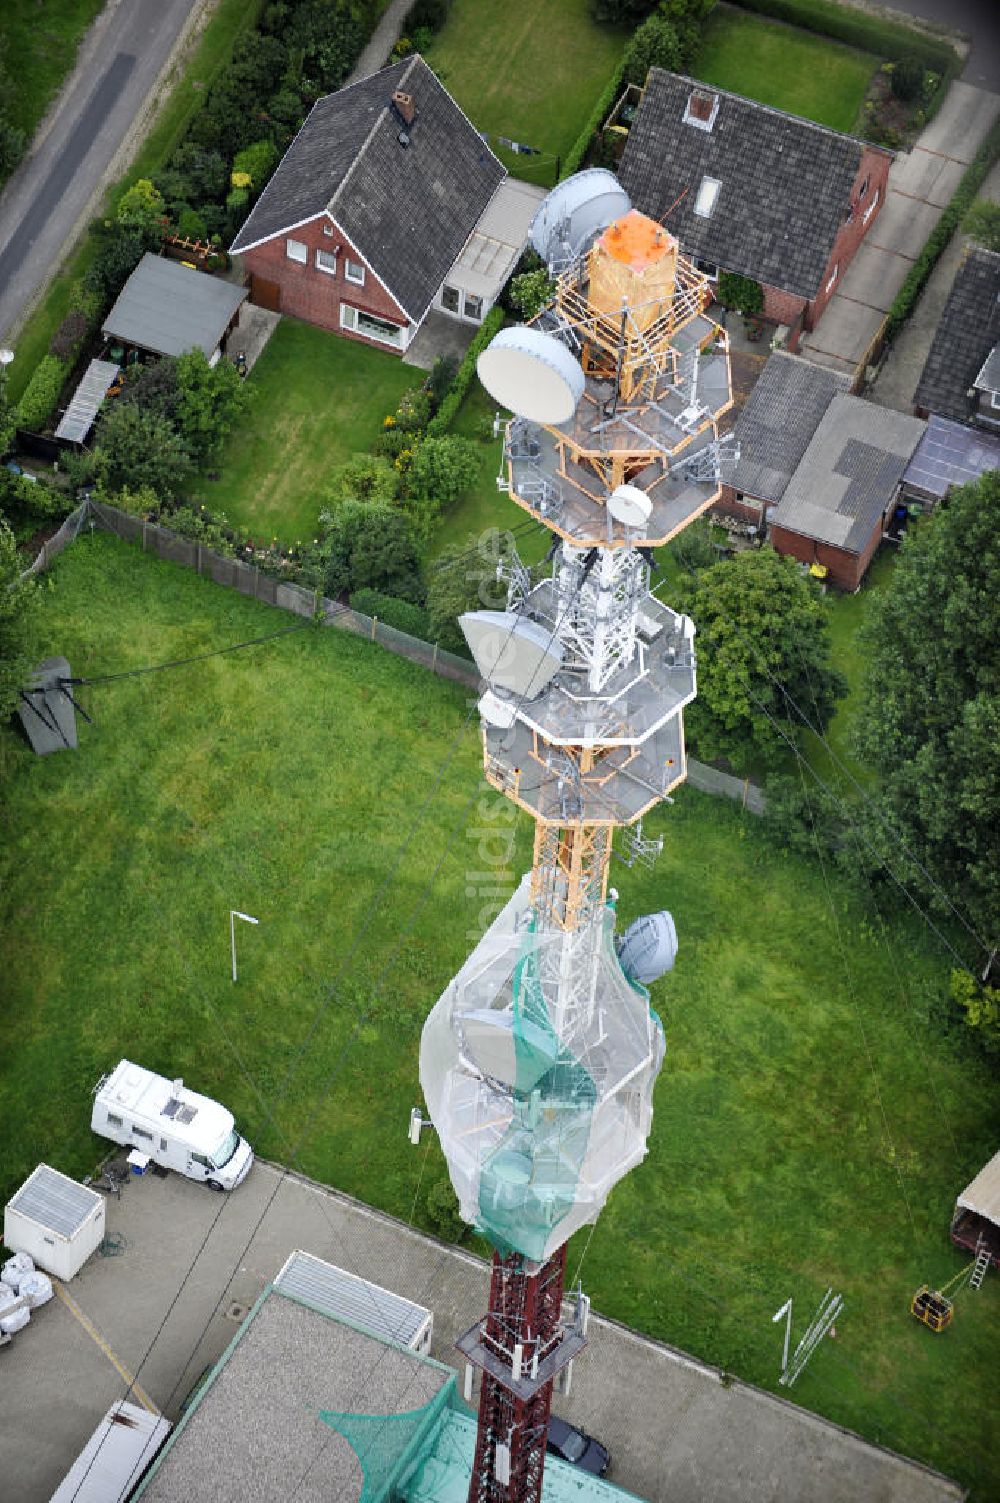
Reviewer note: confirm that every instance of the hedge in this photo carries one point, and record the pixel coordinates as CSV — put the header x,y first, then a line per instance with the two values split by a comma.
x,y
872,33
442,419
602,109
906,298
41,393
393,612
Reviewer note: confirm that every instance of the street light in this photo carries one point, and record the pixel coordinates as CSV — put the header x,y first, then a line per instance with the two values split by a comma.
x,y
234,914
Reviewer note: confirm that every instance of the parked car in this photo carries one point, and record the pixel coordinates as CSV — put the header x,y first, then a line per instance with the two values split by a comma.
x,y
577,1447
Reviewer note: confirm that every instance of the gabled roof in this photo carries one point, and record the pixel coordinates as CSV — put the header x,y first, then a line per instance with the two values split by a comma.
x,y
849,473
170,309
784,183
989,377
408,209
968,330
781,415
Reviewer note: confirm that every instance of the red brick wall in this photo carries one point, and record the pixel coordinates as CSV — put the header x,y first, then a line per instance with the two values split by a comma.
x,y
846,569
782,307
874,166
314,295
746,508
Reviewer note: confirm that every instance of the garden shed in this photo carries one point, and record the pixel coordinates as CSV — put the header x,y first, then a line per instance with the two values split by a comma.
x,y
166,308
56,1220
975,1225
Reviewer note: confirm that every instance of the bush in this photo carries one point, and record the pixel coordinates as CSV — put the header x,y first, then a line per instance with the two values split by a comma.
x,y
41,393
412,619
258,161
907,78
530,292
982,224
445,415
655,44
429,15
442,1213
742,293
363,477
122,250
442,374
141,207
602,109
66,341
191,225
620,12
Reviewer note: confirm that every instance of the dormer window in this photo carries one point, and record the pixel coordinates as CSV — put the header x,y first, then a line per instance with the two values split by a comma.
x,y
704,204
701,109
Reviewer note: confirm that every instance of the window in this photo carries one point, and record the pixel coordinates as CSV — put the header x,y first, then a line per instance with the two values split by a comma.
x,y
327,261
328,229
871,208
833,277
994,403
707,194
354,272
450,299
295,250
864,186
371,327
199,1158
140,1132
708,268
473,306
114,1121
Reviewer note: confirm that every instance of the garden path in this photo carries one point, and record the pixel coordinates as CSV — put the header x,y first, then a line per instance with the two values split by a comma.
x,y
383,39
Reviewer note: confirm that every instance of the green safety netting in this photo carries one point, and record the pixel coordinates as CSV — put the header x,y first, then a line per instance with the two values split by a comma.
x,y
387,1444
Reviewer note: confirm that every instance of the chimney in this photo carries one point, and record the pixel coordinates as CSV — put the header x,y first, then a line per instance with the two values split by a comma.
x,y
701,109
404,106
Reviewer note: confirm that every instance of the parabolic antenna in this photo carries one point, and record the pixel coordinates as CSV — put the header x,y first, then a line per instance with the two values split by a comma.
x,y
648,948
512,652
630,506
532,374
497,711
577,210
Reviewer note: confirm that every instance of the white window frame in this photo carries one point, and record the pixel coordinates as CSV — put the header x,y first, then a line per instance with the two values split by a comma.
x,y
471,297
708,197
833,277
328,230
354,272
458,298
292,248
351,319
331,256
995,400
871,207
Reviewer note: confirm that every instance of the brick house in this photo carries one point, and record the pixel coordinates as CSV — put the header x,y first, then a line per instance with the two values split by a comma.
x,y
819,468
752,190
961,377
371,208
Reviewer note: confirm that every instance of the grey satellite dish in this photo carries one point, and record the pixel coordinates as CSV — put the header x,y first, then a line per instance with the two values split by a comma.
x,y
489,1041
512,652
532,374
648,948
630,506
575,212
497,711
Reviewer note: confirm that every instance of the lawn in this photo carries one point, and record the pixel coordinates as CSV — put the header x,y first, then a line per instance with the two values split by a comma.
x,y
814,1120
780,65
319,398
39,51
530,70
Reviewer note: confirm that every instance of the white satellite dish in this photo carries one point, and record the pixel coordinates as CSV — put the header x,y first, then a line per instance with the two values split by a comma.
x,y
512,652
630,506
575,212
497,711
532,374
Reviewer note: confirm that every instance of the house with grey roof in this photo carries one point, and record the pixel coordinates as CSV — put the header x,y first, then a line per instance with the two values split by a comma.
x,y
753,190
961,377
387,204
839,502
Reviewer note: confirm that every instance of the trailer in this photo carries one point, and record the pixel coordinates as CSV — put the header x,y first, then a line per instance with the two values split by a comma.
x,y
56,1220
115,1458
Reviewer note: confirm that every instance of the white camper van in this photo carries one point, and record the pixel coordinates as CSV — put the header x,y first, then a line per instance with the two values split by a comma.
x,y
174,1126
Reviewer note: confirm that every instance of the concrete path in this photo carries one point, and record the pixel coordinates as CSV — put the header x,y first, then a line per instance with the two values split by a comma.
x,y
921,183
84,141
383,40
675,1430
898,378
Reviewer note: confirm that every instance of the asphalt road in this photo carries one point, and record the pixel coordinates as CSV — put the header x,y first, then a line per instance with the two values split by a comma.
x,y
119,62
979,20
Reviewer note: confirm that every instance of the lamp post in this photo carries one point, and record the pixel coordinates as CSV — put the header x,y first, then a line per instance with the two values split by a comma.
x,y
234,914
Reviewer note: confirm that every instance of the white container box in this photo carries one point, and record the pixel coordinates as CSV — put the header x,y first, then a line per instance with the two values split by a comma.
x,y
57,1220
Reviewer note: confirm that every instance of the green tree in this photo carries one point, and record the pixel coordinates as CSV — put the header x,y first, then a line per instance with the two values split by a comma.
x,y
762,630
530,292
363,477
656,44
371,547
929,721
211,399
441,470
742,293
141,206
464,578
982,223
18,623
137,449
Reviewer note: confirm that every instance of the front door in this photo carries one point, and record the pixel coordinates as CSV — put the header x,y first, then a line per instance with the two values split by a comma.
x,y
264,293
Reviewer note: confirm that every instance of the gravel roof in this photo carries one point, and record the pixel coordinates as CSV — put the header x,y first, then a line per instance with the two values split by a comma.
x,y
784,182
255,1435
408,210
849,473
968,329
780,417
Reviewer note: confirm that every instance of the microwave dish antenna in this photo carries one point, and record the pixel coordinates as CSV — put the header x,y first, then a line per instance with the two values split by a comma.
x,y
575,213
532,374
630,506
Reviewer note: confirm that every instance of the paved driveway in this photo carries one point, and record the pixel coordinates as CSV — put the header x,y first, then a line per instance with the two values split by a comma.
x,y
111,89
921,183
184,1282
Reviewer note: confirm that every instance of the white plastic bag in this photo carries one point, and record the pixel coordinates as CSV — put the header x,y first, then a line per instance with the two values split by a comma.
x,y
17,1318
14,1267
36,1287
